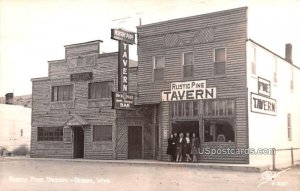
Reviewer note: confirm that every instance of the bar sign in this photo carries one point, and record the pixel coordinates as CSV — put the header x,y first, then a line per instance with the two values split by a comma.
x,y
123,66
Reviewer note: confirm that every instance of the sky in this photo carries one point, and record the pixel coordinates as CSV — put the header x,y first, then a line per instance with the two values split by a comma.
x,y
33,32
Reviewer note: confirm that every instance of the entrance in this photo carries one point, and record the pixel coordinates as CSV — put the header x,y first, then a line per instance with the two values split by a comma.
x,y
78,142
186,126
134,142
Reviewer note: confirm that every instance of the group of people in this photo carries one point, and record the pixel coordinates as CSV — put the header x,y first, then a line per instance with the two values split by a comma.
x,y
183,147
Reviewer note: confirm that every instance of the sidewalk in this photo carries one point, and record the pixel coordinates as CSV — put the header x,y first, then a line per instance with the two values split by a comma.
x,y
218,166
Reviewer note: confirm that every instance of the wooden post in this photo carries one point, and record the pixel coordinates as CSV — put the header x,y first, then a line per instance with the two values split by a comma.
x,y
273,157
292,156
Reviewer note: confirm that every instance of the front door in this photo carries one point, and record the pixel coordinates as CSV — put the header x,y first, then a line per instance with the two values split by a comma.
x,y
134,142
78,142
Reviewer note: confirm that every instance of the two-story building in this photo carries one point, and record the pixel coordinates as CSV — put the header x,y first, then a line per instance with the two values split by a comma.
x,y
201,74
72,115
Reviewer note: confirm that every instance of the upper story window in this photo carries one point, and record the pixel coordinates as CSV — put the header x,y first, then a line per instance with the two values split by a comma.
x,y
292,80
275,71
219,61
188,64
253,60
100,90
158,68
62,93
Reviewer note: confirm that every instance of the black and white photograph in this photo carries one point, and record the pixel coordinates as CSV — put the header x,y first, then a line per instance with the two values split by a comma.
x,y
149,95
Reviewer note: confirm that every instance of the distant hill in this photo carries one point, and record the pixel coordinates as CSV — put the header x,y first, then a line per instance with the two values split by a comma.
x,y
24,100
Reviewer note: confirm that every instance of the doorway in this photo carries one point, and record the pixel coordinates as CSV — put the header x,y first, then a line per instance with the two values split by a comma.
x,y
186,126
78,142
135,142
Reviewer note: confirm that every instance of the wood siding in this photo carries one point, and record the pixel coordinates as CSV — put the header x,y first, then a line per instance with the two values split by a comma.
x,y
200,35
46,113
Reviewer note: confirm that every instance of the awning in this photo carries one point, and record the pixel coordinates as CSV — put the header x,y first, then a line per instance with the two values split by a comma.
x,y
76,120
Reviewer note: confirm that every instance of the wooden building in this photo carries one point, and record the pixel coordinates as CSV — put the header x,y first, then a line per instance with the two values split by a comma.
x,y
194,74
72,115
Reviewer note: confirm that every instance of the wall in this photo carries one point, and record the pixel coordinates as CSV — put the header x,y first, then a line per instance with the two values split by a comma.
x,y
199,34
96,112
267,131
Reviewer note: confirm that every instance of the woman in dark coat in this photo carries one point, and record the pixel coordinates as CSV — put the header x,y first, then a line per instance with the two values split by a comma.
x,y
170,151
195,147
174,146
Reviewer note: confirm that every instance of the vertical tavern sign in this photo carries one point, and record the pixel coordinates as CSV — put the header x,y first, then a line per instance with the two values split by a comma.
x,y
125,38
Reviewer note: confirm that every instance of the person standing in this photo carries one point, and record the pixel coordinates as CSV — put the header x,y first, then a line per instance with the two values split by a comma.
x,y
187,147
170,147
195,147
179,148
174,146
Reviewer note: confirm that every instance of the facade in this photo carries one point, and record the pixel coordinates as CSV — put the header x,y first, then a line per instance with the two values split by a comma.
x,y
72,115
194,74
214,51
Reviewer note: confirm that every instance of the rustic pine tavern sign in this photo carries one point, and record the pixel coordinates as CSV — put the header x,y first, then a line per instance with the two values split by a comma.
x,y
189,90
123,99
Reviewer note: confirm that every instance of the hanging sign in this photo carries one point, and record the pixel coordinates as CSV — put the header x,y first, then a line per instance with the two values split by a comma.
x,y
122,100
190,90
123,67
122,35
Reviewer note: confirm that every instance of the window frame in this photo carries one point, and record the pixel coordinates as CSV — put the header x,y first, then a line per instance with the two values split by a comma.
x,y
99,82
275,72
253,60
218,117
215,62
183,64
289,127
158,68
101,126
61,85
38,138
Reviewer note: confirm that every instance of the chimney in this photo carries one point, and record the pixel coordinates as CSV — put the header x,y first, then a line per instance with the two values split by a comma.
x,y
288,53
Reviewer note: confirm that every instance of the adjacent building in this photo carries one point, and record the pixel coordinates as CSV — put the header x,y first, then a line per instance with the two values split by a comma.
x,y
201,74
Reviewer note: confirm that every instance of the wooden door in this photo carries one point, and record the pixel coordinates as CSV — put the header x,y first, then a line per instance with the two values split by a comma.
x,y
78,142
135,142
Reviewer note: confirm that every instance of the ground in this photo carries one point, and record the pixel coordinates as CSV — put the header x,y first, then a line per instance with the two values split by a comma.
x,y
88,176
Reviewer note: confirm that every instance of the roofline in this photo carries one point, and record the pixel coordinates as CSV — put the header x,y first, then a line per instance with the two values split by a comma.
x,y
194,16
80,44
39,79
273,53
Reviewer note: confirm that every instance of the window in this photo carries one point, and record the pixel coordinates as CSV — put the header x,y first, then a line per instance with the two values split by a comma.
x,y
102,133
219,130
187,109
158,68
292,80
62,93
219,120
289,124
50,133
219,108
100,90
220,61
253,60
275,71
188,64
